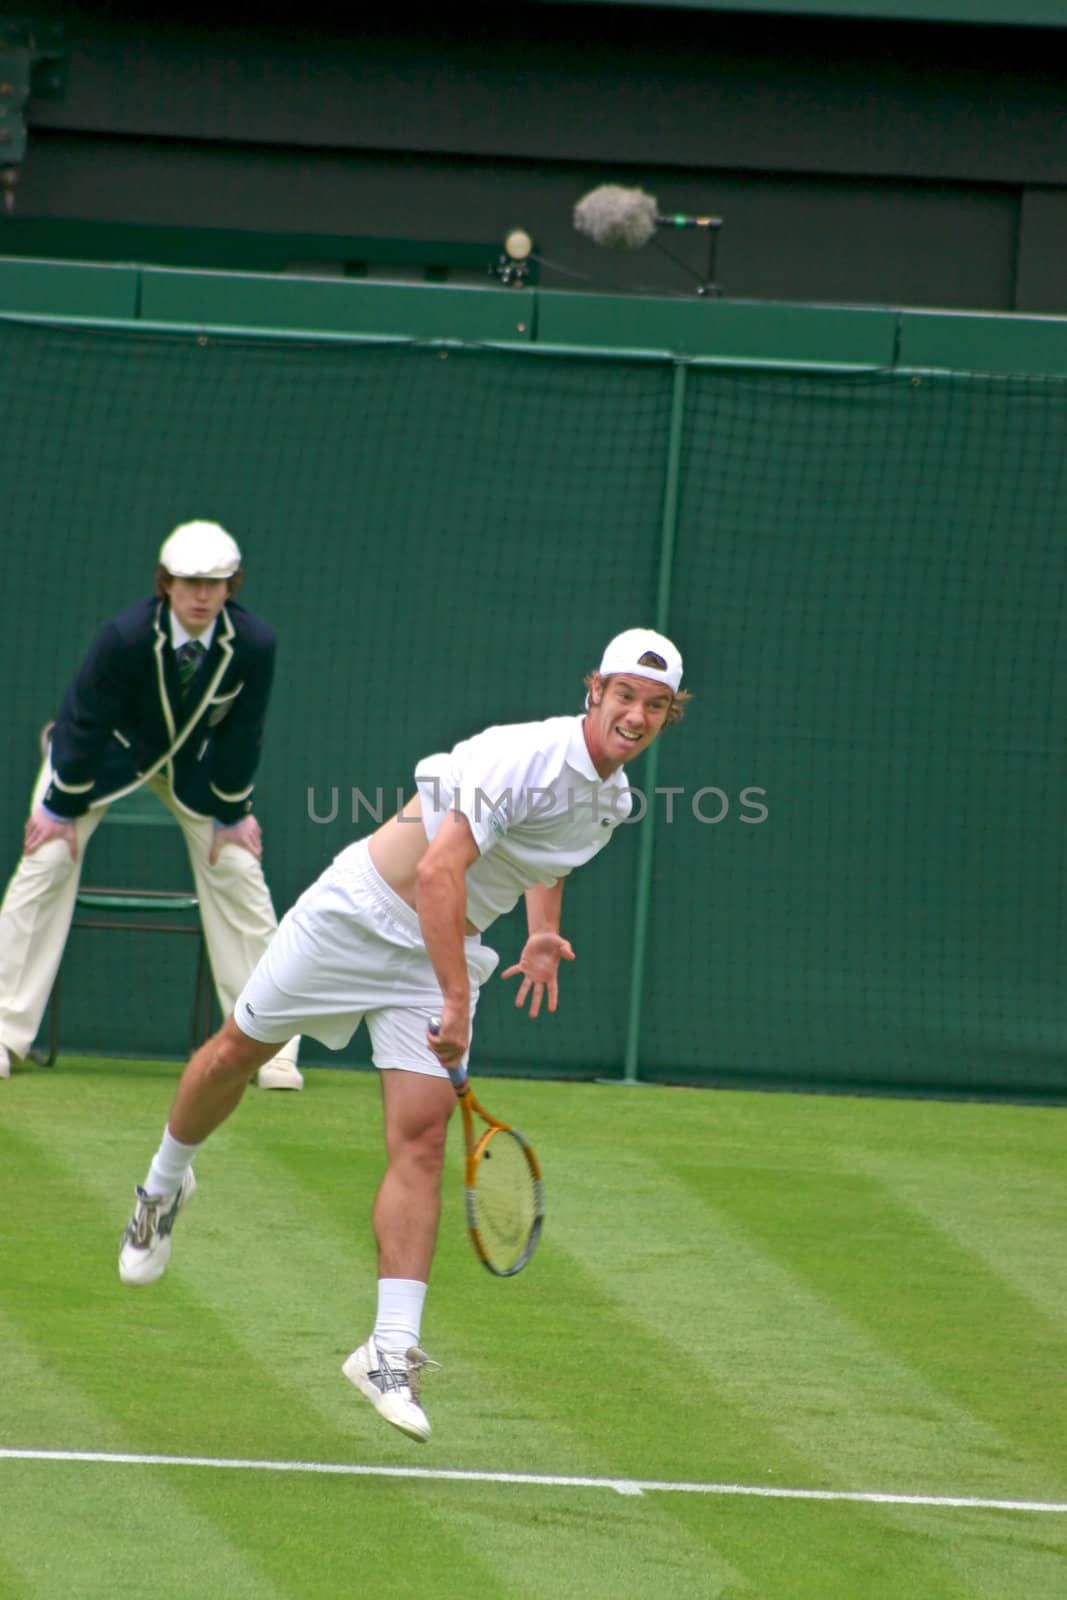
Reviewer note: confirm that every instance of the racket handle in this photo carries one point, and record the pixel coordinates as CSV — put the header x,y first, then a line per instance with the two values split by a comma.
x,y
457,1074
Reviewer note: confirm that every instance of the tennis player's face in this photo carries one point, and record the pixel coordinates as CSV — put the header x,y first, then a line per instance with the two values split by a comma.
x,y
196,602
625,714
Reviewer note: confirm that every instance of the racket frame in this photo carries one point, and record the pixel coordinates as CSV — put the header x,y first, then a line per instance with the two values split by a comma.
x,y
475,1146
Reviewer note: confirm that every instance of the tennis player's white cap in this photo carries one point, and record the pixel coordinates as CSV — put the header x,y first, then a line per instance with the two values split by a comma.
x,y
200,550
643,654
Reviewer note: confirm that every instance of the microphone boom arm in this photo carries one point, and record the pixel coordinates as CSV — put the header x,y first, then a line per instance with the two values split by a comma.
x,y
680,219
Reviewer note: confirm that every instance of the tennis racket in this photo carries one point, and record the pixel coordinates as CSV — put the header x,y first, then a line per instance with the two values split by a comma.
x,y
503,1188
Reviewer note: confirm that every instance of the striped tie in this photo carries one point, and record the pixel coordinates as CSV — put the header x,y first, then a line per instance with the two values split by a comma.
x,y
188,656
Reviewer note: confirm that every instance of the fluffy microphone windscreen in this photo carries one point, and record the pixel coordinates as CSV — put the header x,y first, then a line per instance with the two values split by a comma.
x,y
619,218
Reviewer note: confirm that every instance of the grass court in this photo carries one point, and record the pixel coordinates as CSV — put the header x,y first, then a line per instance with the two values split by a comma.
x,y
748,1312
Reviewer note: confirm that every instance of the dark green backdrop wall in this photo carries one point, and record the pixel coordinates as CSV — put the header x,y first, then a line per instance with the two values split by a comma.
x,y
866,578
853,159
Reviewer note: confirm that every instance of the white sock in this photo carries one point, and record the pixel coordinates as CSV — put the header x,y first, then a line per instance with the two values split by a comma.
x,y
169,1165
400,1302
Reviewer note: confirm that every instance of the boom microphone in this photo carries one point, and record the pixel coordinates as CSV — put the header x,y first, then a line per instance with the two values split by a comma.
x,y
626,219
618,218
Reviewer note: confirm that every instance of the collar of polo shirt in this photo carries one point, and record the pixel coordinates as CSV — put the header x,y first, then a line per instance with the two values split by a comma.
x,y
578,755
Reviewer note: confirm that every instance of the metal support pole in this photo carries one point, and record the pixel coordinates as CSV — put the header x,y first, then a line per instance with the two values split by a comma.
x,y
643,897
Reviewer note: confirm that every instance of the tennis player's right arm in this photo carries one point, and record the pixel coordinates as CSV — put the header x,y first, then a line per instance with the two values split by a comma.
x,y
441,904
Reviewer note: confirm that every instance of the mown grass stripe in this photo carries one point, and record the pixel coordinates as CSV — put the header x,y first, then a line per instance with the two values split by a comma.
x,y
1011,1220
933,1307
739,1314
52,1540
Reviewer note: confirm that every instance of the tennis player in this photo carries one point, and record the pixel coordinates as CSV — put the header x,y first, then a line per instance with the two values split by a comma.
x,y
391,934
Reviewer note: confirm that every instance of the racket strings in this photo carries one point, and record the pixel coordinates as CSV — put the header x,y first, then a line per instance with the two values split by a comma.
x,y
505,1199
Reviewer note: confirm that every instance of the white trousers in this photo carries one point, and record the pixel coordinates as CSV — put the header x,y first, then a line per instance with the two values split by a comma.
x,y
35,917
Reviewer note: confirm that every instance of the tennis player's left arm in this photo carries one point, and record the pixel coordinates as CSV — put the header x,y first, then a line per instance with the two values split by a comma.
x,y
544,908
544,949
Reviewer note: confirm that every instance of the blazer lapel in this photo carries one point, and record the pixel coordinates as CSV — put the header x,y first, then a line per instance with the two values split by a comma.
x,y
160,646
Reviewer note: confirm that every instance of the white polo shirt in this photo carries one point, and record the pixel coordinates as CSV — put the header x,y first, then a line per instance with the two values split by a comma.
x,y
535,804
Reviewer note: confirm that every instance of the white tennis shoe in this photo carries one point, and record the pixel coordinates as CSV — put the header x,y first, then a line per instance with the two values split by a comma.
x,y
391,1383
280,1075
146,1243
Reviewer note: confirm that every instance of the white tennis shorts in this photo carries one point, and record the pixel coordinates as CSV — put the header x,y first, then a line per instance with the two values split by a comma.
x,y
351,950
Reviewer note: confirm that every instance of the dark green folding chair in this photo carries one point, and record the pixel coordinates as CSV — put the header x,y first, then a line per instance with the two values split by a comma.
x,y
139,911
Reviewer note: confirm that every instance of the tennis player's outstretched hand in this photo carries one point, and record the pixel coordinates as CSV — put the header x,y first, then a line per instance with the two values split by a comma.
x,y
539,965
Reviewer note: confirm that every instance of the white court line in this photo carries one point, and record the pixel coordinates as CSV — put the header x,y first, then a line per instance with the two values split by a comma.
x,y
627,1486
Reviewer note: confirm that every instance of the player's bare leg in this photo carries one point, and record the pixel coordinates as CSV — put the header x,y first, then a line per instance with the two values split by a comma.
x,y
407,1207
213,1083
211,1087
387,1368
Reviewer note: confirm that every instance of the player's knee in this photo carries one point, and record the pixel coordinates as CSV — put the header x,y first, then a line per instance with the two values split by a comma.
x,y
424,1146
232,1054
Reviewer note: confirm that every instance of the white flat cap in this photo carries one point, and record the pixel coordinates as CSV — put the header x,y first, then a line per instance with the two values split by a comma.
x,y
200,550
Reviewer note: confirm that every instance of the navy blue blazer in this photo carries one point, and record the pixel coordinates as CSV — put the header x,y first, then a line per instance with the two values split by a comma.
x,y
122,719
